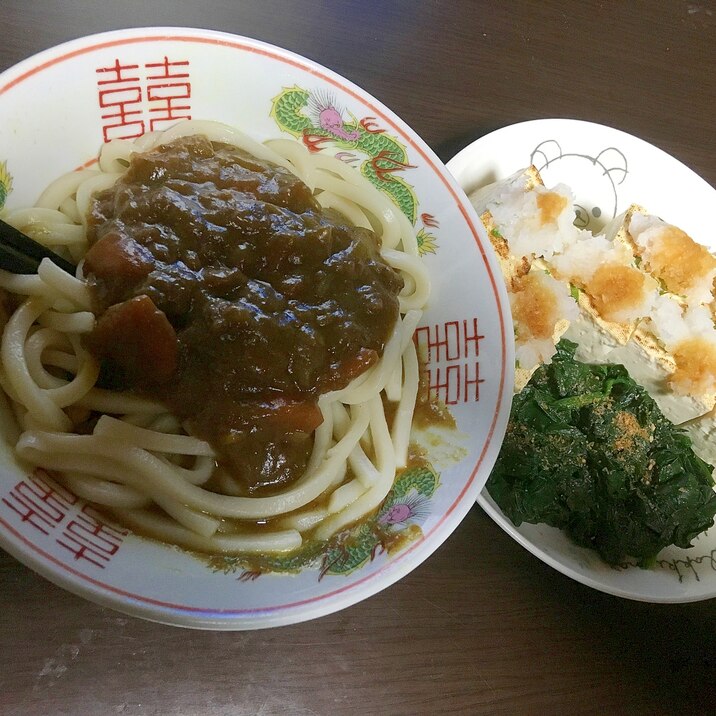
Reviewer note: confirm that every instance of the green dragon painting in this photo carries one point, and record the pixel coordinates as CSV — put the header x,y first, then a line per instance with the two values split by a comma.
x,y
5,183
393,527
316,120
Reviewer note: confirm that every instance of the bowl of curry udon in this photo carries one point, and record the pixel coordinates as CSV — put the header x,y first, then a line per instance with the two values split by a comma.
x,y
273,372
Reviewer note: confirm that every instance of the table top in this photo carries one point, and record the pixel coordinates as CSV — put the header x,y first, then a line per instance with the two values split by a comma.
x,y
482,626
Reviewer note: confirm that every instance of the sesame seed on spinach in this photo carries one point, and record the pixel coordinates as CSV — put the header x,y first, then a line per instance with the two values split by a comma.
x,y
587,450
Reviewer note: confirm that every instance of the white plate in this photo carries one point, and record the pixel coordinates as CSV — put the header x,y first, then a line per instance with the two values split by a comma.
x,y
607,170
55,110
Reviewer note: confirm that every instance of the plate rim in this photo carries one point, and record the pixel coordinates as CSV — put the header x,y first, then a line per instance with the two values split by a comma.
x,y
456,164
183,615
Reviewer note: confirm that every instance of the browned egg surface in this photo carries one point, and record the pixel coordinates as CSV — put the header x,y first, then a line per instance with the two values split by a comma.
x,y
695,366
615,288
550,205
678,260
534,306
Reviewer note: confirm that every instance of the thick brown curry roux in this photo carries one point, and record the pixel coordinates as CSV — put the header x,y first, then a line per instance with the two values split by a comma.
x,y
224,290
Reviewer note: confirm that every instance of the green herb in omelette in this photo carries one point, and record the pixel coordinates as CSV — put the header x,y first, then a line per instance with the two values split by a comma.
x,y
587,450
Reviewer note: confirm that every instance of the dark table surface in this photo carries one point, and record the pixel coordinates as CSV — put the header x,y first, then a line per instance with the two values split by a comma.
x,y
482,626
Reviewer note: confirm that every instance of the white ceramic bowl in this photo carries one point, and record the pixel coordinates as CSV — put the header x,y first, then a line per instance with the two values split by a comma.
x,y
607,170
55,111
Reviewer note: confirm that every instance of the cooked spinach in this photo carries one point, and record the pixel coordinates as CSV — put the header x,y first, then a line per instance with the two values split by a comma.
x,y
588,450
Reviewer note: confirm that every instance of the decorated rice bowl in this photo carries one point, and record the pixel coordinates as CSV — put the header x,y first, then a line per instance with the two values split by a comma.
x,y
121,91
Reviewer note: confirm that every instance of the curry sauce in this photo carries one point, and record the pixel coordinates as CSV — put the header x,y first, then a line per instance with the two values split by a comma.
x,y
224,290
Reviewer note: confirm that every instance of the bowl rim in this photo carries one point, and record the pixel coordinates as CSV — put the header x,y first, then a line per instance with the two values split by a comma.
x,y
183,615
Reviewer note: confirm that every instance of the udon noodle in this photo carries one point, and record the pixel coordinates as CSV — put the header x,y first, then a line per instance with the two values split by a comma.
x,y
139,462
